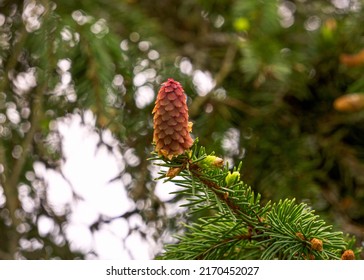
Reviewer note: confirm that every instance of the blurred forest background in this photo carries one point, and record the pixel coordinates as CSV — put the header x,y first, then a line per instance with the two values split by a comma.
x,y
275,84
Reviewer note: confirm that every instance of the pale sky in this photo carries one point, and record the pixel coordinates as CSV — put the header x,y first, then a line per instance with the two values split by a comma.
x,y
88,170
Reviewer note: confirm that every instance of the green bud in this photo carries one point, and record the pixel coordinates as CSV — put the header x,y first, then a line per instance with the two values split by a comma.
x,y
211,161
232,178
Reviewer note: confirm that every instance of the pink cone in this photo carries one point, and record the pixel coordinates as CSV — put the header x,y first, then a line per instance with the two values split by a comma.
x,y
171,127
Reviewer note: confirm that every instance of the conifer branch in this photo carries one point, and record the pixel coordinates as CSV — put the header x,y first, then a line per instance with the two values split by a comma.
x,y
239,226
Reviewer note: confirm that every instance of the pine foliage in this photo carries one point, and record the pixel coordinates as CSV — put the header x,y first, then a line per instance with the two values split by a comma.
x,y
235,224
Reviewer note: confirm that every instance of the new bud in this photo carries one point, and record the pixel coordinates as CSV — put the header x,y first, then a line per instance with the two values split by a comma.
x,y
316,244
211,161
232,178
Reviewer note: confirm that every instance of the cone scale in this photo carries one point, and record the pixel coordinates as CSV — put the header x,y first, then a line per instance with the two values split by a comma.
x,y
172,129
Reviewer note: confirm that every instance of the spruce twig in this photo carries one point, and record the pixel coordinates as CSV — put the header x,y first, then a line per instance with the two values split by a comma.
x,y
239,226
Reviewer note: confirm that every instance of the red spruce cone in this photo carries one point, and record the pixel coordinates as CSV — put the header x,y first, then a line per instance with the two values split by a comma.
x,y
171,127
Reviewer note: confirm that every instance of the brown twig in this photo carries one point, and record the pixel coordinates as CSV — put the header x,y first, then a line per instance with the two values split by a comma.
x,y
223,196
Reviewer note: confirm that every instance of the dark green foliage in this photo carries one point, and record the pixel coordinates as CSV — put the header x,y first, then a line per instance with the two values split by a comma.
x,y
236,225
